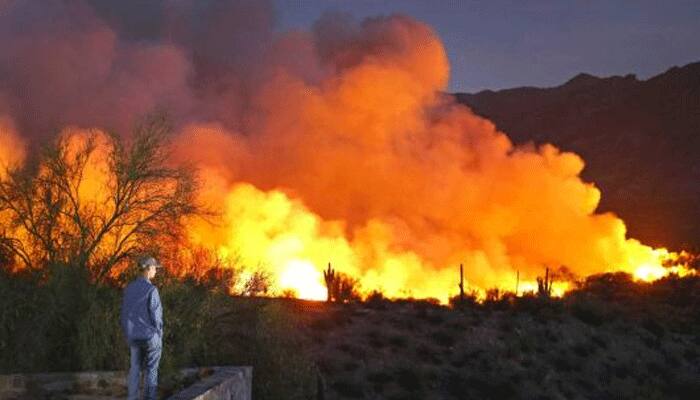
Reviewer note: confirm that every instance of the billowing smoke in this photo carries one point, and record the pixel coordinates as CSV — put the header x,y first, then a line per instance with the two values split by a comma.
x,y
334,145
12,147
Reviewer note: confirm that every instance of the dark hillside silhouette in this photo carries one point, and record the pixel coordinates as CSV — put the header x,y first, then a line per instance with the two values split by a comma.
x,y
640,141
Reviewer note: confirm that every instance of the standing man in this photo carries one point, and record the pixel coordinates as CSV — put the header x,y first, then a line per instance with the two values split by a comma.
x,y
142,323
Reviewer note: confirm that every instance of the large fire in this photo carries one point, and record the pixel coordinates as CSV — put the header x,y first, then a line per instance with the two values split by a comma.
x,y
351,155
11,146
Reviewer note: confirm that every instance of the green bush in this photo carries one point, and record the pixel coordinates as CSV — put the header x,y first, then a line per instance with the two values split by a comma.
x,y
40,318
591,310
59,321
101,344
283,368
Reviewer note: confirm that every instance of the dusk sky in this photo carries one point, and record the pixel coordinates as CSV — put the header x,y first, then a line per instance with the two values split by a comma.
x,y
503,44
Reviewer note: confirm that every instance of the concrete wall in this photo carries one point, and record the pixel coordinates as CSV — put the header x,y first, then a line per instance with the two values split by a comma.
x,y
19,386
230,383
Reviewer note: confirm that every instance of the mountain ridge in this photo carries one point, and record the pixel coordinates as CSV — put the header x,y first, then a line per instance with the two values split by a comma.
x,y
640,140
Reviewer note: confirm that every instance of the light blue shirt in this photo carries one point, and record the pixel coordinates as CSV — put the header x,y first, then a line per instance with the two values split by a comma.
x,y
142,312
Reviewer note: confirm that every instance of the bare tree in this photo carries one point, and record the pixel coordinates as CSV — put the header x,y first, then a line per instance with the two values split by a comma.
x,y
142,199
5,252
257,284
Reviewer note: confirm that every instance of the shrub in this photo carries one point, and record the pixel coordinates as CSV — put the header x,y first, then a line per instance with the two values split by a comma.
x,y
398,340
348,389
654,327
186,313
684,385
600,341
583,349
611,286
101,344
350,348
590,310
469,300
379,377
376,338
41,318
283,368
491,385
428,355
434,317
455,384
541,306
376,300
350,365
64,323
258,283
410,378
444,338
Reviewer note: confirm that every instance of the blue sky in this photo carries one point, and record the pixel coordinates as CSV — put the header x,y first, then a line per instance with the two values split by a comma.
x,y
501,44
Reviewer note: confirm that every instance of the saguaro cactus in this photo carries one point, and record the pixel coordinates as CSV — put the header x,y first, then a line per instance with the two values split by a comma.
x,y
330,276
461,284
544,286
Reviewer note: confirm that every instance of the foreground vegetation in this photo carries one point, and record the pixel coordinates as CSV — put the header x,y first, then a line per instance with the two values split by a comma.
x,y
65,323
611,338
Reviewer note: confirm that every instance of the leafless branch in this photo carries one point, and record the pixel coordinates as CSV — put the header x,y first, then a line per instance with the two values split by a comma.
x,y
145,199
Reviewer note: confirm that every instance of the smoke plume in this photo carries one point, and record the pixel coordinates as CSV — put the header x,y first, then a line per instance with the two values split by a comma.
x,y
330,145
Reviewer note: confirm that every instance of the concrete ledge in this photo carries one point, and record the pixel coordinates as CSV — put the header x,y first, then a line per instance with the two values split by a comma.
x,y
19,386
231,383
234,383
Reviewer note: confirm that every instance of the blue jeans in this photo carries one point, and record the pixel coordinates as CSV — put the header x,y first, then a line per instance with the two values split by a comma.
x,y
145,354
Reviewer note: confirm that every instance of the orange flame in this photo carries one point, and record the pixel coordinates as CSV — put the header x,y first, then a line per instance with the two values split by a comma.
x,y
11,146
661,264
367,166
